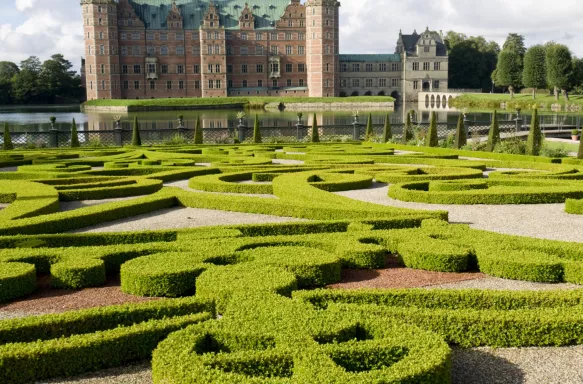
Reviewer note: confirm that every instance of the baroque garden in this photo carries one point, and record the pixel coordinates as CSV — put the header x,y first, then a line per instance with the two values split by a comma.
x,y
263,298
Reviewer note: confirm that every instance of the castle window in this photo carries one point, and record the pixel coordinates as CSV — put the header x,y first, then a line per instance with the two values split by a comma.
x,y
426,49
180,84
196,68
245,83
218,84
289,82
229,50
288,68
197,84
103,84
124,51
124,69
168,84
343,67
180,68
382,67
327,50
151,68
301,23
343,83
180,50
301,36
196,50
101,35
415,66
368,67
301,83
301,68
130,22
102,68
217,36
313,11
229,68
327,67
288,36
436,84
301,50
246,17
91,85
164,50
244,36
369,83
313,23
274,36
244,68
355,67
137,68
195,36
426,66
290,23
101,50
394,67
99,9
90,69
151,50
260,83
152,84
150,36
136,51
163,36
100,21
274,50
259,36
136,84
275,83
211,84
259,68
415,85
210,68
394,82
382,82
180,36
437,66
355,83
136,36
126,84
288,50
164,68
229,83
259,50
124,36
244,50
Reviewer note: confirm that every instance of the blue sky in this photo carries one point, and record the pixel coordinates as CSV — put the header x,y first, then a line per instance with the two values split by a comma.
x,y
45,27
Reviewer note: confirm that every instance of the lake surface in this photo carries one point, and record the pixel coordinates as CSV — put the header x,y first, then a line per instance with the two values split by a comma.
x,y
36,118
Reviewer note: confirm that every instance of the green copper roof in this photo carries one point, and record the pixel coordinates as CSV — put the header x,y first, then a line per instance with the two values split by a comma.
x,y
370,58
154,12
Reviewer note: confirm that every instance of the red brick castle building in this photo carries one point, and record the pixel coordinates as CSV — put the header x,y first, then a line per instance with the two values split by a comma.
x,y
210,48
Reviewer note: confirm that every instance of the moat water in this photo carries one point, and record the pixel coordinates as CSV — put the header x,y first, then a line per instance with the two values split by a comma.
x,y
36,118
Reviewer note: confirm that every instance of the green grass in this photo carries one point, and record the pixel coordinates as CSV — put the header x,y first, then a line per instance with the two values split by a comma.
x,y
574,147
243,101
524,101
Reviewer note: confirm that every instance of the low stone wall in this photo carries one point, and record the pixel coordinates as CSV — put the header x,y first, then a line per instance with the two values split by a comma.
x,y
303,107
157,108
101,109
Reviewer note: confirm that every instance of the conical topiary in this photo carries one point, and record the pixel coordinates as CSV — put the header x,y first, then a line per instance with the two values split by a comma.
x,y
432,138
494,134
407,129
136,139
580,153
461,138
369,133
535,136
74,135
387,131
198,135
7,145
315,133
257,131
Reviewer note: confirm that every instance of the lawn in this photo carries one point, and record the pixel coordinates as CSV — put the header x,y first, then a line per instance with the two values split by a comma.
x,y
524,101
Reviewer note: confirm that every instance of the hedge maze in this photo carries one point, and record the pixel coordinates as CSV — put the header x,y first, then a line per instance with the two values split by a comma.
x,y
249,303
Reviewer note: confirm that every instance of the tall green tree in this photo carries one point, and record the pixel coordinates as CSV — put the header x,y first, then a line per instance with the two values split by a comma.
x,y
315,133
257,130
407,129
494,134
74,135
136,139
57,80
580,153
432,138
7,144
198,134
509,71
8,71
535,136
461,138
515,43
534,74
387,131
26,85
559,68
369,133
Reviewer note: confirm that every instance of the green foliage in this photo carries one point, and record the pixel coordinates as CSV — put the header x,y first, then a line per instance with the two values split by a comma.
x,y
136,139
461,138
387,131
432,139
369,133
7,143
257,130
534,74
407,130
580,151
315,134
535,136
493,134
17,280
74,135
509,70
198,134
559,66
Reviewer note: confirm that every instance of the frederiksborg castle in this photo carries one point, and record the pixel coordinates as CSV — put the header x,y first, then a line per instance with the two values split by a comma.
x,y
142,49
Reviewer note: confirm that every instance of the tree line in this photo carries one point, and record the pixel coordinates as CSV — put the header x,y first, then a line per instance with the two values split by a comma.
x,y
36,82
480,64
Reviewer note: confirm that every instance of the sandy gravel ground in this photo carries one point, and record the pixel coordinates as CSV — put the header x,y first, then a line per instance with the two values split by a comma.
x,y
545,221
504,284
175,218
133,374
72,205
288,162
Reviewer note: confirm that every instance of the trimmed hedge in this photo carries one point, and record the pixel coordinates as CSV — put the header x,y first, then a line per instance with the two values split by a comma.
x,y
574,206
16,280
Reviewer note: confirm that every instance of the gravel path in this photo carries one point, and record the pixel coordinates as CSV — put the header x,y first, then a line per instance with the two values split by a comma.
x,y
288,162
183,184
134,374
72,205
504,284
176,218
545,221
518,366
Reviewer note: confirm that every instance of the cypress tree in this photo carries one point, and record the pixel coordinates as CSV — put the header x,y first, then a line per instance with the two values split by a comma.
x,y
432,139
535,136
256,130
369,132
136,139
74,135
407,129
7,146
315,132
580,153
461,138
494,134
198,136
387,131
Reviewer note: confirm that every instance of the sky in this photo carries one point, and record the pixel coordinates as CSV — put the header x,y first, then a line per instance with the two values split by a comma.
x,y
46,27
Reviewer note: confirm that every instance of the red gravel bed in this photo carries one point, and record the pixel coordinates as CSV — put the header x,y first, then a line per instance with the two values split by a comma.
x,y
395,276
47,300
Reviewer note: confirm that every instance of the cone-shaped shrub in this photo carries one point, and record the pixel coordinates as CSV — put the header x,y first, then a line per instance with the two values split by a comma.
x,y
494,135
407,129
461,139
136,139
535,136
315,134
580,153
432,138
198,136
387,131
369,132
7,146
256,131
74,135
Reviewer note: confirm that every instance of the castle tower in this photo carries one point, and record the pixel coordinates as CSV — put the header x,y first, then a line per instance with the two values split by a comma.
x,y
322,40
213,54
101,49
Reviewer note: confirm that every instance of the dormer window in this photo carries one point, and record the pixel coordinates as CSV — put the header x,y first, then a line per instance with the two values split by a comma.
x,y
246,17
